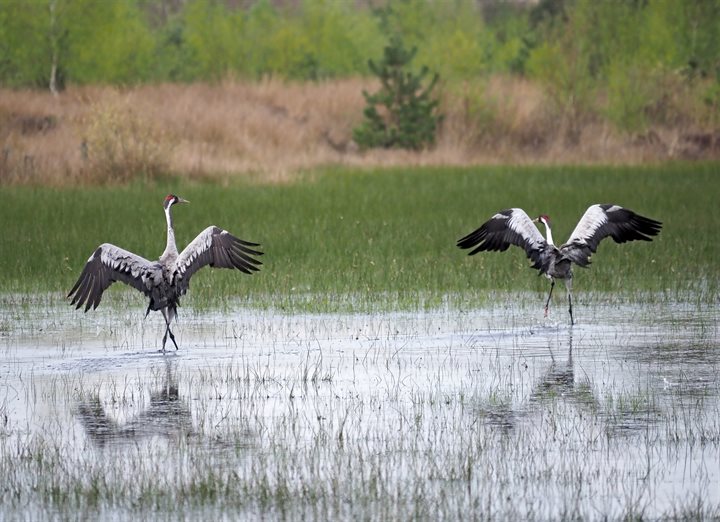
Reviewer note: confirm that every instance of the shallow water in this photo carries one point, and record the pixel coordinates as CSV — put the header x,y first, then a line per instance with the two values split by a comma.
x,y
493,412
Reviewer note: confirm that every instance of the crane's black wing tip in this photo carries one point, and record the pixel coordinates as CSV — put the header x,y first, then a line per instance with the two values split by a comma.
x,y
468,245
244,246
476,238
247,243
647,227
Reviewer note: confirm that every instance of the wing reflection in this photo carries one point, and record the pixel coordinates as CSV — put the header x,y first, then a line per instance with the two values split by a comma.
x,y
161,414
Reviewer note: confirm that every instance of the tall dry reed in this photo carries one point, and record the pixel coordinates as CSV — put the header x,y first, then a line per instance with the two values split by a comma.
x,y
272,129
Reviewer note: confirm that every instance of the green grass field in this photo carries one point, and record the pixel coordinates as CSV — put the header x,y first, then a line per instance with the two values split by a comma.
x,y
343,239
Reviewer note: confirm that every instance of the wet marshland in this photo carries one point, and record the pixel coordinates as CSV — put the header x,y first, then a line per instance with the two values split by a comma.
x,y
485,413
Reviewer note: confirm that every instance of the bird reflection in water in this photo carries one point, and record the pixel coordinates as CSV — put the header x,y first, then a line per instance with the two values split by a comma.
x,y
557,382
165,414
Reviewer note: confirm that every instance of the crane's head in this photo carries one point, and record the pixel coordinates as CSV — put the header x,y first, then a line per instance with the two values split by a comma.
x,y
171,199
545,220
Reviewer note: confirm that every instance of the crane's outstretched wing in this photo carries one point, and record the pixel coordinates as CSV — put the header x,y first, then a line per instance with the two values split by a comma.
x,y
507,227
601,221
217,248
109,264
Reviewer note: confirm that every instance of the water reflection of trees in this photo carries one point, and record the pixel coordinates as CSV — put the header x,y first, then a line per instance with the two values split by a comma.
x,y
164,415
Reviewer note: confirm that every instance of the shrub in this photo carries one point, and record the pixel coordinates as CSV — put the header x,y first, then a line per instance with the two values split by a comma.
x,y
120,145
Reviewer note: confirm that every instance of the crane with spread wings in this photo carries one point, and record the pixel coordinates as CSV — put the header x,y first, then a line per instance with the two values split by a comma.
x,y
164,281
514,227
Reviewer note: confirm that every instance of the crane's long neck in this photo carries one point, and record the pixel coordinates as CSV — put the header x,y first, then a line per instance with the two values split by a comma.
x,y
170,247
548,233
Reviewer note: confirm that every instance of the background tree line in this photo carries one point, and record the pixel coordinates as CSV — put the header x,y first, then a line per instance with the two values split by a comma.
x,y
622,58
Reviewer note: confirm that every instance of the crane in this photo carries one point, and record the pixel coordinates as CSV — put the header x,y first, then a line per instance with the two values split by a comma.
x,y
514,227
164,281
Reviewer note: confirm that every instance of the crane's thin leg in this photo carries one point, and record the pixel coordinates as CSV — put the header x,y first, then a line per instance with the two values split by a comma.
x,y
172,338
547,303
168,315
568,286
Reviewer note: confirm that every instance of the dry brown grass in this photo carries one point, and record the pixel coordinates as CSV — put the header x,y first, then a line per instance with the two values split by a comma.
x,y
274,129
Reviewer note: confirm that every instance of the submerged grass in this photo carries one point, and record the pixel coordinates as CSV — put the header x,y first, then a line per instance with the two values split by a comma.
x,y
482,414
387,237
301,428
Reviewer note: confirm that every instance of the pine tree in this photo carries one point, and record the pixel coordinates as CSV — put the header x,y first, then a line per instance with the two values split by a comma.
x,y
402,114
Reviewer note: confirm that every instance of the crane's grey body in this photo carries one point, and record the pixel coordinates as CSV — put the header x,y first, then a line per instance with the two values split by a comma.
x,y
514,227
166,280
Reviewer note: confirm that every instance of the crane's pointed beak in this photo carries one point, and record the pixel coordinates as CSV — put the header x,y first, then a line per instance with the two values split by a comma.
x,y
181,200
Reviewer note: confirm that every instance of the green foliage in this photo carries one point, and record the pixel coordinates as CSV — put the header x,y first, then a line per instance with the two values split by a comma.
x,y
211,36
261,23
323,39
90,40
611,59
563,62
457,54
341,38
624,50
402,114
116,42
450,37
171,50
24,50
512,40
97,52
290,51
630,89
